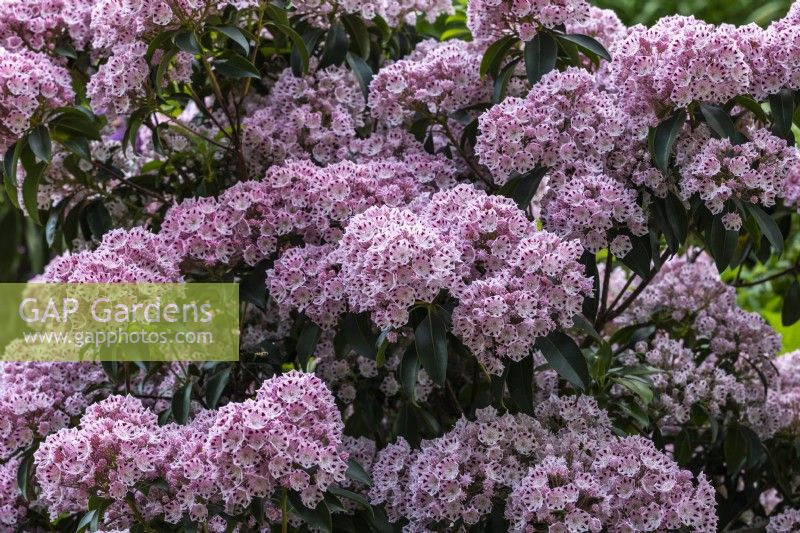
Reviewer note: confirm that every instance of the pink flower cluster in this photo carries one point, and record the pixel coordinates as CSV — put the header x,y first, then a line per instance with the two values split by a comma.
x,y
311,117
678,60
124,256
37,399
12,505
485,229
628,486
297,198
304,280
684,381
753,172
791,184
565,123
785,522
491,19
120,82
289,436
589,207
39,24
603,25
542,288
31,83
391,258
395,13
787,391
115,447
543,465
437,79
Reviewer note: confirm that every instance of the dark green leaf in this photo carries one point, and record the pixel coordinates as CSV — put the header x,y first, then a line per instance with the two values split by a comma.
x,y
356,472
307,342
358,33
350,495
10,163
187,42
253,287
39,141
585,326
64,49
638,259
361,71
522,188
430,339
23,475
501,83
216,385
520,383
409,368
718,120
181,403
235,66
768,228
637,385
683,448
302,49
88,521
357,331
751,105
163,67
782,111
721,243
78,146
566,358
30,186
587,44
495,54
99,218
235,35
735,448
334,51
790,312
317,518
540,55
662,139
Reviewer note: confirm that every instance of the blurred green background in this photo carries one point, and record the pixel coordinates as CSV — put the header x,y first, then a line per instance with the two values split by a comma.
x,y
716,11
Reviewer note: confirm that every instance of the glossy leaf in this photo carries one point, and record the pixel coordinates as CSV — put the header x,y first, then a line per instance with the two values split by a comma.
x,y
718,120
520,383
768,228
234,66
566,358
99,218
540,56
587,44
39,141
356,472
721,243
235,35
215,387
336,45
430,339
181,403
361,71
790,312
495,55
407,373
522,188
735,448
782,111
662,139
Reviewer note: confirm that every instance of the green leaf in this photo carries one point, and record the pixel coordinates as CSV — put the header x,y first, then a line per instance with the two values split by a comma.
x,y
683,448
749,103
358,333
181,403
501,83
350,495
235,35
566,358
587,44
638,386
540,55
302,49
187,42
662,139
519,381
10,163
358,33
409,368
235,66
781,107
78,146
718,120
768,227
216,385
522,188
335,48
430,339
307,342
99,218
640,256
790,312
64,49
581,323
317,518
39,142
495,54
89,521
23,476
672,219
735,448
30,185
721,243
163,67
356,472
361,71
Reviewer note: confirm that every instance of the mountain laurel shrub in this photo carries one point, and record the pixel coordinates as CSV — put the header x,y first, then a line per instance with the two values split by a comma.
x,y
488,253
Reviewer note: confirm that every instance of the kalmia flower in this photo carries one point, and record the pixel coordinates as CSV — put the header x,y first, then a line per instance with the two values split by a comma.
x,y
542,289
785,522
12,504
565,124
39,24
491,19
395,13
31,83
391,259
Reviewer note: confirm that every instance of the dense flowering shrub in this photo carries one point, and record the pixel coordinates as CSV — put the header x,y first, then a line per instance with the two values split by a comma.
x,y
499,265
